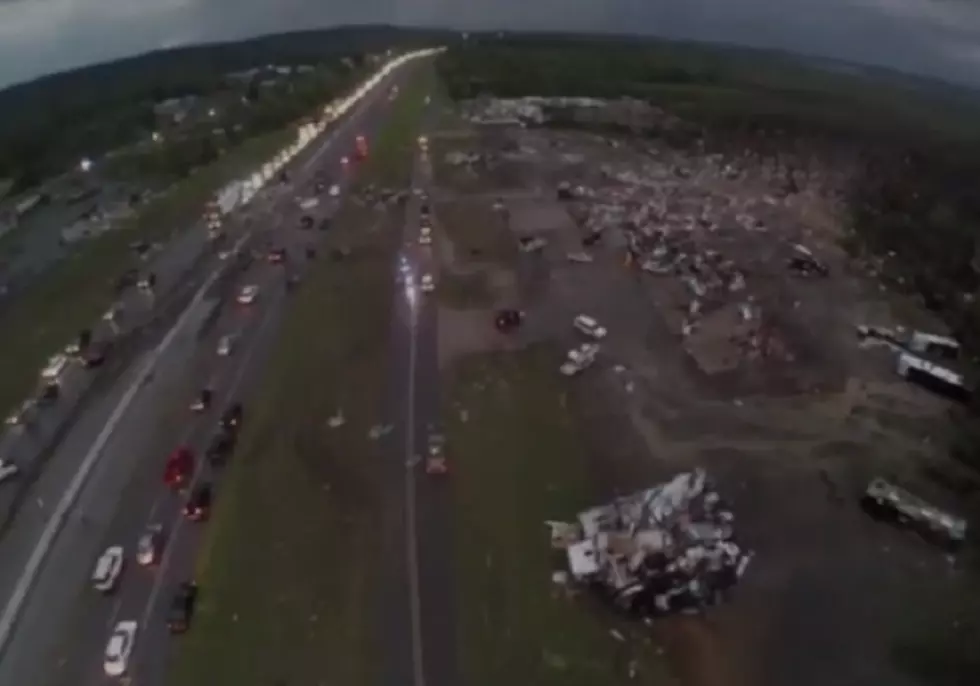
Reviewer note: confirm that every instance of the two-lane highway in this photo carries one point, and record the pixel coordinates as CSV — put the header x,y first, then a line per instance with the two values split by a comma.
x,y
418,607
62,630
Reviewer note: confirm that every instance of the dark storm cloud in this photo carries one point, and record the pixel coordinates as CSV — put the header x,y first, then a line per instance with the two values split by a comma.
x,y
937,37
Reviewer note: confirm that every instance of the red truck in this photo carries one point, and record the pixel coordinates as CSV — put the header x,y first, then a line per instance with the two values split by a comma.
x,y
179,467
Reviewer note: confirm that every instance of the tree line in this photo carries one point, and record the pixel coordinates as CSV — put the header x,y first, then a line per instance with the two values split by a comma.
x,y
50,123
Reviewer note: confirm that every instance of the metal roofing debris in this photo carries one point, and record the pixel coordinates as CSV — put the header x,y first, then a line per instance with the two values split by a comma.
x,y
667,549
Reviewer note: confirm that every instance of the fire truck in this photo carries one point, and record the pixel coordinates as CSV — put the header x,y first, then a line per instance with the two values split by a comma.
x,y
360,147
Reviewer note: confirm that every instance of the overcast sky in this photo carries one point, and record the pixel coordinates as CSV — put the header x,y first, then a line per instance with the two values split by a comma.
x,y
933,37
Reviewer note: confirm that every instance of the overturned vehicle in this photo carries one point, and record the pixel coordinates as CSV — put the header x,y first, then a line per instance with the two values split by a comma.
x,y
664,550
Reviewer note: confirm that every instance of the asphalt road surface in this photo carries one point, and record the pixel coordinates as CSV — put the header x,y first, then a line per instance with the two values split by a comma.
x,y
418,606
62,631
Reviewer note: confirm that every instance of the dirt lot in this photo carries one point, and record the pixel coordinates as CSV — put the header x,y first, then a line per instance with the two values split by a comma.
x,y
719,355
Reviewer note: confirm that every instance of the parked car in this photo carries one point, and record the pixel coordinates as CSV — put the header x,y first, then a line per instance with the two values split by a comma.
x,y
232,417
119,648
221,446
182,607
202,401
198,505
108,569
226,345
150,545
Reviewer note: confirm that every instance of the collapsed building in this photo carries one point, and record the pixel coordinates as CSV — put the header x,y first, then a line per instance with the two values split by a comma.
x,y
667,549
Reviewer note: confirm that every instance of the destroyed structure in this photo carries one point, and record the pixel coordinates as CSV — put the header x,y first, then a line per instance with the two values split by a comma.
x,y
668,549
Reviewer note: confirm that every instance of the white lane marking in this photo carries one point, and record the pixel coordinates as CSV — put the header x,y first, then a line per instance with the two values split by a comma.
x,y
25,582
410,531
411,534
161,570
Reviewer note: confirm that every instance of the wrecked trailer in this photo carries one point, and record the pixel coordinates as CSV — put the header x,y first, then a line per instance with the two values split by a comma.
x,y
885,501
664,550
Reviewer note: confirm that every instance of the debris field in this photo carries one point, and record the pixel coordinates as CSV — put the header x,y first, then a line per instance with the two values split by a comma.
x,y
736,345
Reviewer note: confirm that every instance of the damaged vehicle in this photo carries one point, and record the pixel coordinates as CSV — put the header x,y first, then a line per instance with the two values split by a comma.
x,y
579,359
590,327
885,501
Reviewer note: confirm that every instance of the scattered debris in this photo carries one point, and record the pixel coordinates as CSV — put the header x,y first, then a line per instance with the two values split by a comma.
x,y
583,257
668,549
531,243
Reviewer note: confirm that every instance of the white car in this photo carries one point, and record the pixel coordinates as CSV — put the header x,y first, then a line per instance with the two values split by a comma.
x,y
226,345
149,545
56,365
425,236
248,295
428,283
590,327
334,191
120,648
108,569
8,470
344,161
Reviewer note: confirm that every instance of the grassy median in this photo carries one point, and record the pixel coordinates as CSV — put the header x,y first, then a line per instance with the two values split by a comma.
x,y
286,572
44,318
519,460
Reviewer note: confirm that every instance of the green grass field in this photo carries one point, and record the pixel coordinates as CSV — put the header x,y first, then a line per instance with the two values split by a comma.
x,y
44,318
518,461
286,570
